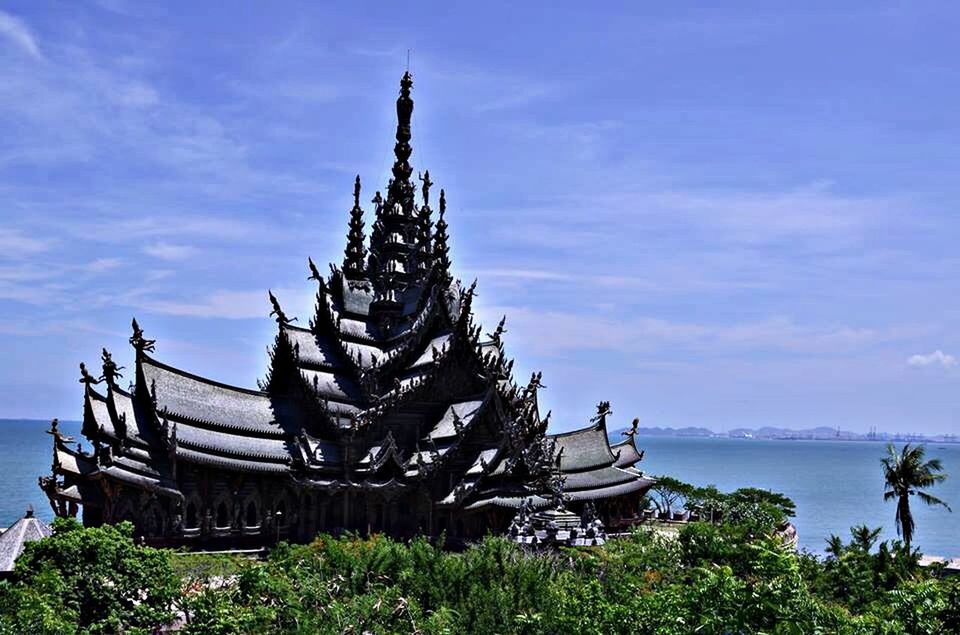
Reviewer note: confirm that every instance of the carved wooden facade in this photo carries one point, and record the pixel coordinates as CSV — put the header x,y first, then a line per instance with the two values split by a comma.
x,y
387,412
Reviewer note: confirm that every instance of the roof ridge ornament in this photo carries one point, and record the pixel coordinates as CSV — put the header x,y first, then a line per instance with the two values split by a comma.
x,y
425,188
314,272
281,317
497,335
138,341
86,378
111,372
603,411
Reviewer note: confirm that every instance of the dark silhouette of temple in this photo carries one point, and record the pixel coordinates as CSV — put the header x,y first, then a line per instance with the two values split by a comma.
x,y
389,411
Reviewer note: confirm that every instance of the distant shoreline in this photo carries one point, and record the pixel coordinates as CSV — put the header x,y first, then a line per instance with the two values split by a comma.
x,y
762,434
785,434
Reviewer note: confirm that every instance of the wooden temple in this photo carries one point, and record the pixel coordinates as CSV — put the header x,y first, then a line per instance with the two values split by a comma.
x,y
388,411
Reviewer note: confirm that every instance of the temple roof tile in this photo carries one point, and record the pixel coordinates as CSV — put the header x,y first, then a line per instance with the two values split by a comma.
x,y
584,449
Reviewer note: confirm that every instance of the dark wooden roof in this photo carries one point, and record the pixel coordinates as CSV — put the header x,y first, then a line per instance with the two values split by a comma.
x,y
391,375
584,449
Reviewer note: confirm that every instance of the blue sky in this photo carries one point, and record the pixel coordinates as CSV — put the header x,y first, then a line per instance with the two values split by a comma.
x,y
732,216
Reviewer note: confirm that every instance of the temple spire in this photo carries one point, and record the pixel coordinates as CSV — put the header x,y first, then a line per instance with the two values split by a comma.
x,y
355,254
401,189
441,251
393,243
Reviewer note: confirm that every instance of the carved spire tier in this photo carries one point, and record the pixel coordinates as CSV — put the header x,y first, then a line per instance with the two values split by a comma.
x,y
393,247
355,254
441,250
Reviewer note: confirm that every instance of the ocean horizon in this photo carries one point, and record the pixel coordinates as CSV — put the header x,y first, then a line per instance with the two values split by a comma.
x,y
835,484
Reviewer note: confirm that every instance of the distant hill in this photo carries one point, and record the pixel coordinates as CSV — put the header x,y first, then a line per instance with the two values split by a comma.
x,y
819,433
769,432
39,422
672,432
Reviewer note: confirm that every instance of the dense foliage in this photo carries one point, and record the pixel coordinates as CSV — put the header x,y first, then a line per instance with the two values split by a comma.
x,y
732,576
95,580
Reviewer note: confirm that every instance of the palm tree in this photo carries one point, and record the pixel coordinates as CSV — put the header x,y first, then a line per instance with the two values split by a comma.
x,y
864,538
835,546
908,474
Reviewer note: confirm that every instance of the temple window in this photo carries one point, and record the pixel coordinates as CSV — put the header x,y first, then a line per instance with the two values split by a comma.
x,y
223,515
192,521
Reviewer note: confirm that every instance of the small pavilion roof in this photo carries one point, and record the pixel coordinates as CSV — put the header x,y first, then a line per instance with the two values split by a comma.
x,y
12,541
584,449
626,452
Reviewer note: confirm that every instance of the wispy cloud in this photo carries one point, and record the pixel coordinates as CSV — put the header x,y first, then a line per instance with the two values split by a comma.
x,y
553,332
168,251
14,242
936,358
233,305
16,32
102,264
229,305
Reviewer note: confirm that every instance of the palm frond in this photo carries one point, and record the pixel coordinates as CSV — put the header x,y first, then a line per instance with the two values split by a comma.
x,y
929,499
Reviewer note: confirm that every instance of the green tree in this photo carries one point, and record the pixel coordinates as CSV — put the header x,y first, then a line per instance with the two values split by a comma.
x,y
706,501
908,474
864,538
95,578
834,546
668,492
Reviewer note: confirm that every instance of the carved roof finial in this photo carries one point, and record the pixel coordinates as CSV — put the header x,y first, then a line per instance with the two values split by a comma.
x,y
425,188
281,317
441,250
400,188
355,254
314,272
111,372
497,335
138,341
603,411
424,228
86,378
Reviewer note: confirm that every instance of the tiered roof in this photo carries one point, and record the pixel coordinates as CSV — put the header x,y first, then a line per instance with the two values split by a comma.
x,y
390,386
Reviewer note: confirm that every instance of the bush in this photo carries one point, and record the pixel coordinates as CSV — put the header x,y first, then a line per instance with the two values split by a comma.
x,y
710,578
96,579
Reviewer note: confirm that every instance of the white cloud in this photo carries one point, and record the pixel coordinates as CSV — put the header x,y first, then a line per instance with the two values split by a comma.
x,y
552,332
102,264
231,305
168,251
17,32
936,358
235,305
137,95
14,242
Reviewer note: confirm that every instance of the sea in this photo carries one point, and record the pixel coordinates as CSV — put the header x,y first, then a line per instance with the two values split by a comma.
x,y
835,484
